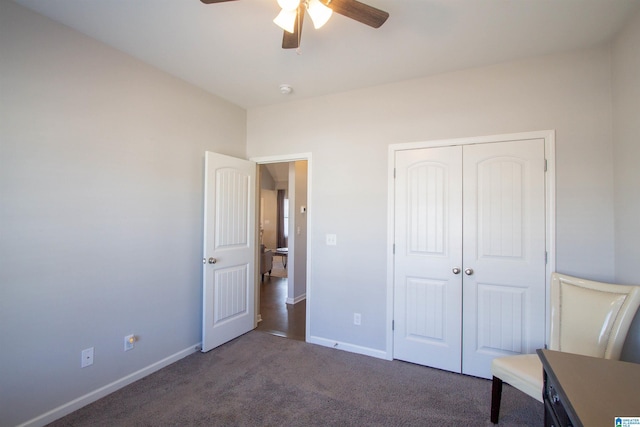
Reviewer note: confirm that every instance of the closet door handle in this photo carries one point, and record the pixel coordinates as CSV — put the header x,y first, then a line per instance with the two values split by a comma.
x,y
468,271
456,270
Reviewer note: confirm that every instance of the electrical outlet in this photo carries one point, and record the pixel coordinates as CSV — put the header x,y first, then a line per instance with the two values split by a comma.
x,y
129,342
87,357
332,240
357,319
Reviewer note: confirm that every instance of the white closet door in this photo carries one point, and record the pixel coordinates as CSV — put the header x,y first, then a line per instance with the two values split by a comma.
x,y
504,246
428,241
479,208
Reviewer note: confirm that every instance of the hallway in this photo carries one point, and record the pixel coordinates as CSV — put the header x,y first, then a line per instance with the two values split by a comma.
x,y
278,317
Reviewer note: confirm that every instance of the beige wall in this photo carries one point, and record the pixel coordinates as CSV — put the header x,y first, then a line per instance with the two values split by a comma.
x,y
101,184
348,135
268,208
298,245
269,214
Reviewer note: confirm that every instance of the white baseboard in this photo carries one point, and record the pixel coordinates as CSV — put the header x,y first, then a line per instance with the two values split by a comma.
x,y
380,354
91,397
296,299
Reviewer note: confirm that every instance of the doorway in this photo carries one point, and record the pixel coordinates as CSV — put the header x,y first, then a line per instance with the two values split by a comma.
x,y
282,236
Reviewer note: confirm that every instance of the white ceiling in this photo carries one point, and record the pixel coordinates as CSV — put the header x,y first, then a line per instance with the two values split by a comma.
x,y
233,49
278,171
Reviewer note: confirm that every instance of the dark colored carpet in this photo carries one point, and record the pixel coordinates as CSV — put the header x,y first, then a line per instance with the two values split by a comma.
x,y
265,380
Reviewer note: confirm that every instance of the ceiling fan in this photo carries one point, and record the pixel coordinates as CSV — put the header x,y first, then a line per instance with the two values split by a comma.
x,y
292,15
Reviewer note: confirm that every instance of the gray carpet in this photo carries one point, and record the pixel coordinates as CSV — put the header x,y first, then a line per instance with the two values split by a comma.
x,y
264,380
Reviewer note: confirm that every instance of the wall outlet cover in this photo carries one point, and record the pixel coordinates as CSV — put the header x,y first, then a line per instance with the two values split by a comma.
x,y
129,342
87,357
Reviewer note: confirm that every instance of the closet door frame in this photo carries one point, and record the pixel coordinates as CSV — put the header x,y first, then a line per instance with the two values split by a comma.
x,y
550,209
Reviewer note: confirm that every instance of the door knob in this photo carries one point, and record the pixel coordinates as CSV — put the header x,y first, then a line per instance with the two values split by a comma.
x,y
456,270
468,271
212,260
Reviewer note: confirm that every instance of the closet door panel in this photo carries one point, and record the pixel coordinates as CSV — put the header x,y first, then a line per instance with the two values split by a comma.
x,y
503,251
428,237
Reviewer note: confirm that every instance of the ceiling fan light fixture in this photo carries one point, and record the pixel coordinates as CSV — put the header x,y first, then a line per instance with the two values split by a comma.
x,y
292,14
319,13
289,4
286,20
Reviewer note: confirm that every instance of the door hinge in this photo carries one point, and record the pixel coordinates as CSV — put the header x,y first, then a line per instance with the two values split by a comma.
x,y
546,257
394,248
545,165
393,325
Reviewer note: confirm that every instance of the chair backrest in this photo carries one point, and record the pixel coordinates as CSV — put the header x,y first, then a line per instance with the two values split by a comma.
x,y
591,318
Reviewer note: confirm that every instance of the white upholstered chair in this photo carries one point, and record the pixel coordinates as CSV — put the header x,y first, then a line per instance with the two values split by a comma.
x,y
587,317
266,261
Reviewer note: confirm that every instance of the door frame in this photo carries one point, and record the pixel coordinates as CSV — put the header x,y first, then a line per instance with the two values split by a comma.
x,y
285,158
550,208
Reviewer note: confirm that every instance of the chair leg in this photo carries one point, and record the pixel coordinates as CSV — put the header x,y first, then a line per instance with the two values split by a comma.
x,y
496,395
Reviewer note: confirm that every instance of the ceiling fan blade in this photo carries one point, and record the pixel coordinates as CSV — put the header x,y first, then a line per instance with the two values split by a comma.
x,y
214,1
359,11
292,40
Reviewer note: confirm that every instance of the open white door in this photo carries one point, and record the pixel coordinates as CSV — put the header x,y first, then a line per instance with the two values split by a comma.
x,y
229,249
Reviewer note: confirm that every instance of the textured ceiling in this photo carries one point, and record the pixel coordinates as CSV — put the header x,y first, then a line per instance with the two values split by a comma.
x,y
233,49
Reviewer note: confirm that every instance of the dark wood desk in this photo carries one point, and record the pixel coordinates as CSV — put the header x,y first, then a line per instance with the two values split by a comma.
x,y
588,391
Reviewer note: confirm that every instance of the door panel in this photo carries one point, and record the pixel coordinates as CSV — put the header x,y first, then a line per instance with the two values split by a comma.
x,y
500,321
499,213
504,245
229,231
230,293
425,300
232,187
428,231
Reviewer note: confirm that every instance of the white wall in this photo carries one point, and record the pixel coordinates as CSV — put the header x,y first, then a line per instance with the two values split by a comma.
x,y
101,171
349,133
101,181
626,131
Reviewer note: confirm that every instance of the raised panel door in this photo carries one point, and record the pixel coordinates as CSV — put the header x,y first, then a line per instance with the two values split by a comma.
x,y
229,248
428,233
504,245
